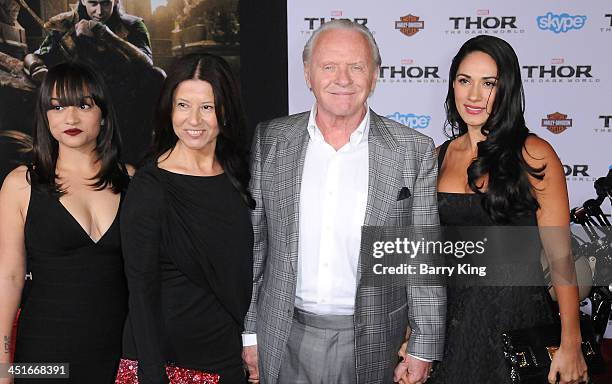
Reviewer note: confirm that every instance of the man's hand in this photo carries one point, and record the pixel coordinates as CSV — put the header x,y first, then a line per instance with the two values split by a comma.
x,y
249,356
411,370
90,28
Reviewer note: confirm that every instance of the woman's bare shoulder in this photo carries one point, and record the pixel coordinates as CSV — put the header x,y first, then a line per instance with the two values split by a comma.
x,y
16,189
538,152
16,180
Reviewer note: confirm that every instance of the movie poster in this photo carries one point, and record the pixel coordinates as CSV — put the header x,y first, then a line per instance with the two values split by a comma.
x,y
130,46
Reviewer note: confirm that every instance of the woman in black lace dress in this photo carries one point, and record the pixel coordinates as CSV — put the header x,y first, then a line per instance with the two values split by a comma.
x,y
59,216
494,172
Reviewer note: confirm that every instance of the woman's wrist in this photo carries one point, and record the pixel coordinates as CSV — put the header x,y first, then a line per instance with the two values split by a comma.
x,y
571,341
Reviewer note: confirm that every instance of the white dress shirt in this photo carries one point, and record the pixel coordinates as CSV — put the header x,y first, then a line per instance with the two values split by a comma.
x,y
333,200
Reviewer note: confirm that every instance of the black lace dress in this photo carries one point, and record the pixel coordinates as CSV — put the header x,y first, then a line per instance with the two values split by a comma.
x,y
76,305
477,315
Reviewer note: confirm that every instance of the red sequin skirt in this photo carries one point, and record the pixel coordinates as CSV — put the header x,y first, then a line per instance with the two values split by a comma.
x,y
128,374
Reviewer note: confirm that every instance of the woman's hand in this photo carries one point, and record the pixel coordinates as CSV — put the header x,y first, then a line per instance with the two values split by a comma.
x,y
568,365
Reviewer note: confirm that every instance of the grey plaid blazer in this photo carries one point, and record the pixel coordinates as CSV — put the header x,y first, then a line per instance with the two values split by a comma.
x,y
398,157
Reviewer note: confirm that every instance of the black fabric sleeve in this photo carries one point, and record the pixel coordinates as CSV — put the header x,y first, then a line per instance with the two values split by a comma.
x,y
140,237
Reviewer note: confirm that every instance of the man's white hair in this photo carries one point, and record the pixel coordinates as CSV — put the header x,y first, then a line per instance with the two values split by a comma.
x,y
347,25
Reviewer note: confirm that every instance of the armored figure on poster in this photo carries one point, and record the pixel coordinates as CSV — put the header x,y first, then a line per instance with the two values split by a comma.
x,y
16,88
117,45
97,31
12,49
9,10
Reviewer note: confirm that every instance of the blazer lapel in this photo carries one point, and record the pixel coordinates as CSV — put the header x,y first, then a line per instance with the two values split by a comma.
x,y
291,154
384,178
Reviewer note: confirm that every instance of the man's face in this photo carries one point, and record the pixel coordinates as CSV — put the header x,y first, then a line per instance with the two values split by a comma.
x,y
99,10
341,73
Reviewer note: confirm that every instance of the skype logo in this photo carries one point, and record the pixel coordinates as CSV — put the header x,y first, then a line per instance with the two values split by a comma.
x,y
411,120
560,23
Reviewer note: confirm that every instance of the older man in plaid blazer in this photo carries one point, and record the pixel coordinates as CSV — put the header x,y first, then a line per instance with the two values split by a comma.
x,y
317,177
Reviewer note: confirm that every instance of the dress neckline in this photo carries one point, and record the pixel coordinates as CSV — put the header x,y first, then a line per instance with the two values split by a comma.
x,y
187,175
73,219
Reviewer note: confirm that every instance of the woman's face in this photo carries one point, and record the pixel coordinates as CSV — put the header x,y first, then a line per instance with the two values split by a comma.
x,y
475,87
75,126
193,115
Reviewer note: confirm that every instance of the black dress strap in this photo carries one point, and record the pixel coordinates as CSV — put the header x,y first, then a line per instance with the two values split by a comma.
x,y
442,153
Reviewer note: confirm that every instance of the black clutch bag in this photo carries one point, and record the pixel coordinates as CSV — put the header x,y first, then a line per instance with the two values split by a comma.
x,y
529,352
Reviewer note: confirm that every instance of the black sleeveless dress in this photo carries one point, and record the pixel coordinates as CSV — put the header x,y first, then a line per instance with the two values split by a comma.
x,y
76,300
477,315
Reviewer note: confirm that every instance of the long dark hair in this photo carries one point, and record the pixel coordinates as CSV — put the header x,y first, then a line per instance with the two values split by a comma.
x,y
509,192
70,81
231,147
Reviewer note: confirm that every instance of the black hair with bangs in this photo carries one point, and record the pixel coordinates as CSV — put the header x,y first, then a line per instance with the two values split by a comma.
x,y
71,81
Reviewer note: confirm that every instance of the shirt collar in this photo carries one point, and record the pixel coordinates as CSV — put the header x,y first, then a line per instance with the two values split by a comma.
x,y
359,135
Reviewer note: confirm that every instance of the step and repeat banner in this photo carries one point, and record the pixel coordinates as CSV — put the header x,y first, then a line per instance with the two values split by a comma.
x,y
563,48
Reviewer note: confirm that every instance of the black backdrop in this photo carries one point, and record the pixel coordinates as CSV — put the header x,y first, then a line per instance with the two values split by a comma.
x,y
263,59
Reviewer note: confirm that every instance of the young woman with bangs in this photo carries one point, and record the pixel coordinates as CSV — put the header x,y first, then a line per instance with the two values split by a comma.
x,y
59,222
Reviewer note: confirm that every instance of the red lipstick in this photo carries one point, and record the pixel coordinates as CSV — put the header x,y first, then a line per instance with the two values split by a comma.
x,y
72,131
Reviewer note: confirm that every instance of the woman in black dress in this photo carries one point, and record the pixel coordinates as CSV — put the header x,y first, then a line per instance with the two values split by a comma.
x,y
60,217
494,172
187,235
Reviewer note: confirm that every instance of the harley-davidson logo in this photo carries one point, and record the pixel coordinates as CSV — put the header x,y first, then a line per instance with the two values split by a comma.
x,y
556,122
409,25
